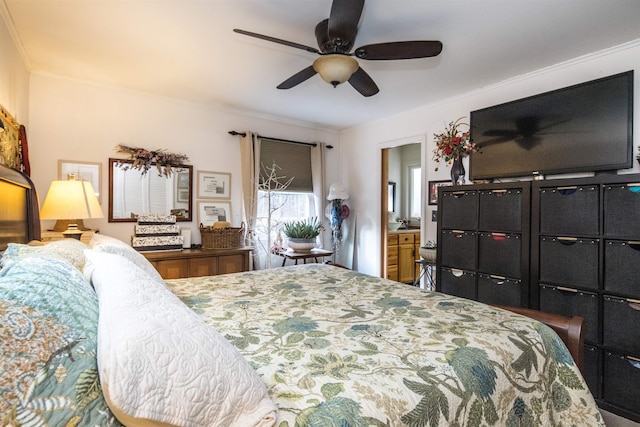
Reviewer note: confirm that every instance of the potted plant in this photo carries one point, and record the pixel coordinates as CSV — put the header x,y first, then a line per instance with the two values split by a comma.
x,y
302,233
451,146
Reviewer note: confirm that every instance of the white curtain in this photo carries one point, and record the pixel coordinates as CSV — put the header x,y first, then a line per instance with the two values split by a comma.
x,y
318,178
250,158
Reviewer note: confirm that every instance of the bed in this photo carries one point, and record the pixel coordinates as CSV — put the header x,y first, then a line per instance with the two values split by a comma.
x,y
91,335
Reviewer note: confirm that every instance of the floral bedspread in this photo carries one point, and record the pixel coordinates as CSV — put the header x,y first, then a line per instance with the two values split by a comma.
x,y
339,348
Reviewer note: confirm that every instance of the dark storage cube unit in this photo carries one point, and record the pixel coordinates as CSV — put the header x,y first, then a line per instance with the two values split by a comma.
x,y
461,209
570,210
569,261
621,317
620,381
571,302
499,290
622,266
459,249
500,254
592,369
621,204
501,210
458,282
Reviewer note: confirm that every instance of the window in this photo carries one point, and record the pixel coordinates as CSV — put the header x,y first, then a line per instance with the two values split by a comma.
x,y
289,165
415,198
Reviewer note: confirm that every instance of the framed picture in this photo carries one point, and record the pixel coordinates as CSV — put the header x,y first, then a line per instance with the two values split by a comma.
x,y
183,180
10,152
83,171
214,185
433,190
212,211
182,195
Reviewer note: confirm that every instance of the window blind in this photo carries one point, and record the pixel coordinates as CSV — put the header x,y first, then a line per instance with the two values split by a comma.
x,y
293,161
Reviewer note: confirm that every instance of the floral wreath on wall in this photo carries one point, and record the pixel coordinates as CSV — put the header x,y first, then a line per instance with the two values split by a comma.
x,y
144,160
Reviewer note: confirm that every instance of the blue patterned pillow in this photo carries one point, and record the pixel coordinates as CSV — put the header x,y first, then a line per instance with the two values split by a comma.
x,y
49,323
70,250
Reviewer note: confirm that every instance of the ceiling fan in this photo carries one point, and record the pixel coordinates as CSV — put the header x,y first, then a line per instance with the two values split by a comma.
x,y
336,37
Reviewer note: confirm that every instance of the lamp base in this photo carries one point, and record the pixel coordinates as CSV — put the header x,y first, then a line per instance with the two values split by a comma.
x,y
63,224
72,232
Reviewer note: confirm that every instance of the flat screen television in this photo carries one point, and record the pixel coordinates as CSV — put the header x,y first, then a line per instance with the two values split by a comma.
x,y
583,128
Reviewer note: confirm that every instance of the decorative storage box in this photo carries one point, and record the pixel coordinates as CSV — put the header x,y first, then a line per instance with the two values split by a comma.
x,y
621,203
622,261
149,219
620,384
458,282
621,316
157,243
592,369
499,253
569,261
222,238
459,248
501,210
499,290
461,208
569,210
571,302
157,230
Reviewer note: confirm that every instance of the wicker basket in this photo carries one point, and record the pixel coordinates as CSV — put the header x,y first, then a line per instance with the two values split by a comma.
x,y
222,238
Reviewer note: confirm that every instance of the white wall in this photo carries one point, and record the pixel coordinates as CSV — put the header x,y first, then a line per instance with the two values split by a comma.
x,y
73,120
14,77
362,145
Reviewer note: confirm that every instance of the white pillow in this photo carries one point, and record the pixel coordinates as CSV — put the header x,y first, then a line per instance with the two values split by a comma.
x,y
111,245
160,363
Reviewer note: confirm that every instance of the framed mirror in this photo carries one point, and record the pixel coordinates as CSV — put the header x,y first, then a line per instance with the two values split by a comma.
x,y
131,193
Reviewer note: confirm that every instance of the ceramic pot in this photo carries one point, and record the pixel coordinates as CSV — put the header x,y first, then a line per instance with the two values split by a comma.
x,y
301,245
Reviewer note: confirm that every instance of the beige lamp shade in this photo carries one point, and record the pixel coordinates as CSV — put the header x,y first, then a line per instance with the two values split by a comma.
x,y
71,200
335,68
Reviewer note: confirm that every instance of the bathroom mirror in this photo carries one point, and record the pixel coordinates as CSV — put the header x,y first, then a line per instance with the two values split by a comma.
x,y
132,193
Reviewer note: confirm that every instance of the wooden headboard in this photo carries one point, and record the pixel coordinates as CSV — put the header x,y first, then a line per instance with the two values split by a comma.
x,y
19,217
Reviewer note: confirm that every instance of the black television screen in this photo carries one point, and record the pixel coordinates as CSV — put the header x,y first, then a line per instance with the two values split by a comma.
x,y
586,127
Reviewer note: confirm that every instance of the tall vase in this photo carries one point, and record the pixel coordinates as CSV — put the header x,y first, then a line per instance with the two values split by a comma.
x,y
457,171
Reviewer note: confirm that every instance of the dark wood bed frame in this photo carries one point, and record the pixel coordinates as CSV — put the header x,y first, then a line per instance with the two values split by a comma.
x,y
9,220
571,330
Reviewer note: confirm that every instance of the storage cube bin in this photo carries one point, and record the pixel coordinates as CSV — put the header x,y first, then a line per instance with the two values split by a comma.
x,y
591,372
568,261
622,266
459,249
457,282
620,380
621,326
500,210
571,302
500,254
461,208
621,202
570,210
500,290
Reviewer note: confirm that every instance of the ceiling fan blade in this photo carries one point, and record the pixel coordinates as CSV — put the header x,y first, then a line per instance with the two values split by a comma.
x,y
276,40
400,50
298,78
363,83
501,132
343,22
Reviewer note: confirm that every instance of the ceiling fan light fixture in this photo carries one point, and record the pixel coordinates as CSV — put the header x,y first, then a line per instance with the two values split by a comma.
x,y
335,68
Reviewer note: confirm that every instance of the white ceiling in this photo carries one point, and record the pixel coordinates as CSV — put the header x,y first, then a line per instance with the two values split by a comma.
x,y
186,49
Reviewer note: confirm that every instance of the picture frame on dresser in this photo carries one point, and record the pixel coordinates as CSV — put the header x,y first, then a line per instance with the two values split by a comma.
x,y
433,190
83,171
212,211
214,185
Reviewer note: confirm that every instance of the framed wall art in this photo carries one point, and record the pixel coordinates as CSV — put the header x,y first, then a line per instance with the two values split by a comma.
x,y
214,185
433,190
83,171
10,150
212,211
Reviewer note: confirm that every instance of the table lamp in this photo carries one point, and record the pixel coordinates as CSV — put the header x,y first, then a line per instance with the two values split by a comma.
x,y
71,200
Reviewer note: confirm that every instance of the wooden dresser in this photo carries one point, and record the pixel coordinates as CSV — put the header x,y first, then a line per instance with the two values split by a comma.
x,y
199,262
403,248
